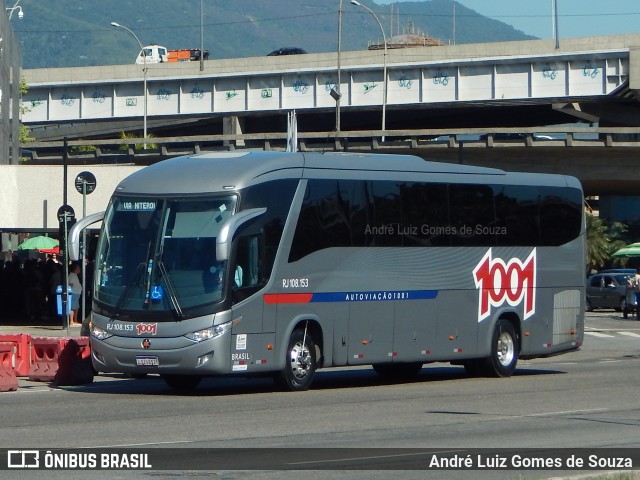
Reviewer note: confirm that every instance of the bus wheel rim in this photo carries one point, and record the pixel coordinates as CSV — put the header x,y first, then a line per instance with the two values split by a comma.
x,y
506,349
300,360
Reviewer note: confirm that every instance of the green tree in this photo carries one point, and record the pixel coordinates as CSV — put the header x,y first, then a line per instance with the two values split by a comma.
x,y
24,133
137,146
602,241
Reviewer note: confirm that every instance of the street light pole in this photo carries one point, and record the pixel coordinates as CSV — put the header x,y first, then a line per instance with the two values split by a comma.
x,y
338,93
14,8
201,38
384,69
555,22
144,71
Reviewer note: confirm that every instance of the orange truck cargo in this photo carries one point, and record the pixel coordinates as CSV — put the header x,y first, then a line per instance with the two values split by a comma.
x,y
160,54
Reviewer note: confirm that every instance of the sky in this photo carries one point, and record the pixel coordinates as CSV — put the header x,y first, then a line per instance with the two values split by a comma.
x,y
576,18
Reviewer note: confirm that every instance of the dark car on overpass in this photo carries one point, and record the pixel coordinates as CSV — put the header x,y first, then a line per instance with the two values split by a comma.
x,y
287,51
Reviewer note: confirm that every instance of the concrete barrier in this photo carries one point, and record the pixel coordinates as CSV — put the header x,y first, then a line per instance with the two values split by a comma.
x,y
8,379
22,349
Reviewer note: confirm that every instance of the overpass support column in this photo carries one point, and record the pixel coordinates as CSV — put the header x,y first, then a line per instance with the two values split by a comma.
x,y
634,70
233,125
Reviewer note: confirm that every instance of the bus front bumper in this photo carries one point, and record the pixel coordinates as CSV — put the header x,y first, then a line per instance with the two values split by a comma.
x,y
161,355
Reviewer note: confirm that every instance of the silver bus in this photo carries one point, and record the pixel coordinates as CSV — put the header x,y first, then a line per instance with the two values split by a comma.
x,y
273,263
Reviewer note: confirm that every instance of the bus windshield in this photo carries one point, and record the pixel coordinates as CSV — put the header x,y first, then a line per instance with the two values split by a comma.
x,y
160,254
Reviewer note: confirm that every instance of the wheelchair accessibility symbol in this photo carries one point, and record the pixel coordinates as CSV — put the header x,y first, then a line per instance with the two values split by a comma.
x,y
156,292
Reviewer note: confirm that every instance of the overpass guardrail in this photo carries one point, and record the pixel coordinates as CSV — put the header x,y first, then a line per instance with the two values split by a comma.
x,y
131,150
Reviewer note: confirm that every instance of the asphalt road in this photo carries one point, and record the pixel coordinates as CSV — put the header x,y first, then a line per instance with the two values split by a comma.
x,y
586,399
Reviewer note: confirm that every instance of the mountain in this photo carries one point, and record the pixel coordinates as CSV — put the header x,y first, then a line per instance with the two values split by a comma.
x,y
68,33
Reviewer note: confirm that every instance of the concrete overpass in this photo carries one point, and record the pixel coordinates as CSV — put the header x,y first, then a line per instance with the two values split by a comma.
x,y
587,78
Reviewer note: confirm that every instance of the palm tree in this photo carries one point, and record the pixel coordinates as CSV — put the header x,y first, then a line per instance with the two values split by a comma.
x,y
602,241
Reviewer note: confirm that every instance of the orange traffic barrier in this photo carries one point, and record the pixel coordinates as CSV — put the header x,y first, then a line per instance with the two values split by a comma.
x,y
44,357
74,363
61,360
8,379
22,349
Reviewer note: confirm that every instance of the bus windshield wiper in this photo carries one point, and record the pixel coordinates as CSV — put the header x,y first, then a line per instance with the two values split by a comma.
x,y
137,279
172,291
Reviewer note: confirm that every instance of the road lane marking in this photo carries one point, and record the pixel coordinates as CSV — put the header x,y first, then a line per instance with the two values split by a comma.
x,y
630,334
598,334
564,412
588,329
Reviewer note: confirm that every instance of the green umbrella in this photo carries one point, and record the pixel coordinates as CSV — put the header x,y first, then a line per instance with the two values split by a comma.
x,y
38,243
632,250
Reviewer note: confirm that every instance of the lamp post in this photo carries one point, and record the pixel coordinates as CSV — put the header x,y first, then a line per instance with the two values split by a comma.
x,y
144,70
554,14
15,7
336,94
201,38
384,69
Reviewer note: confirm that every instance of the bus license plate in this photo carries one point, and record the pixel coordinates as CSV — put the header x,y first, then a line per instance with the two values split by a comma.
x,y
147,361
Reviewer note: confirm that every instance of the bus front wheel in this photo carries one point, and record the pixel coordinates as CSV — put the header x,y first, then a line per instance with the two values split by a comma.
x,y
504,350
300,364
182,383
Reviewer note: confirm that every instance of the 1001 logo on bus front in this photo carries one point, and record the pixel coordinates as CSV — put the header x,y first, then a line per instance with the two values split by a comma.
x,y
512,282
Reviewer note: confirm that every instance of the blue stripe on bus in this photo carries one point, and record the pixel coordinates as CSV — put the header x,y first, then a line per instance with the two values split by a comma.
x,y
374,296
327,297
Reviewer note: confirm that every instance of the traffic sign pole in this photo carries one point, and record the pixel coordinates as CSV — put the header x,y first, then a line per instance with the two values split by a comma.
x,y
84,252
85,184
65,215
65,255
65,290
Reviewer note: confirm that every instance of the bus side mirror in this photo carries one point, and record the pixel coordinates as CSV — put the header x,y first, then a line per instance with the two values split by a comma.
x,y
73,238
229,228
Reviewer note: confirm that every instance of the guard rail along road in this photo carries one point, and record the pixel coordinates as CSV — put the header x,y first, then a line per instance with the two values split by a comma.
x,y
434,140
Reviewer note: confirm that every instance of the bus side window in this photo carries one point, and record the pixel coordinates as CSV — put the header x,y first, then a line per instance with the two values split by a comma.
x,y
247,271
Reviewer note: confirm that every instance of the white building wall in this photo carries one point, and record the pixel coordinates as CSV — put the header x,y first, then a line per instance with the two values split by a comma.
x,y
35,205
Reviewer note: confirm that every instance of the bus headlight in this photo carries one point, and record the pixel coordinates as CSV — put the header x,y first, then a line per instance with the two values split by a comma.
x,y
99,333
209,333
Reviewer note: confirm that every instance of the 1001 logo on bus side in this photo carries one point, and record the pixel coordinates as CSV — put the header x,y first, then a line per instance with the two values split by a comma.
x,y
512,282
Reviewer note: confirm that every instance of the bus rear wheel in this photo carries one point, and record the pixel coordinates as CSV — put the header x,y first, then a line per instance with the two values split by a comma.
x,y
504,351
300,363
182,383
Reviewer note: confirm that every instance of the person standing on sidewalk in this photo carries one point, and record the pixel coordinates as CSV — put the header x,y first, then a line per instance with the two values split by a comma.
x,y
76,289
